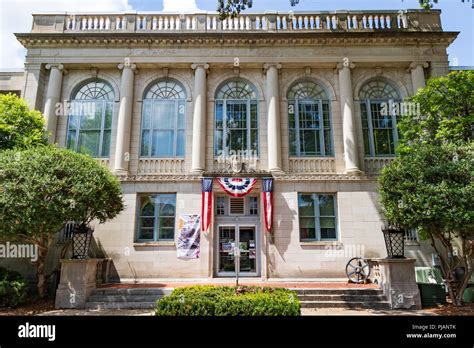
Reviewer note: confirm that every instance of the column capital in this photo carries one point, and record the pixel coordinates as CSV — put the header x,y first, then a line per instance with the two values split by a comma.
x,y
415,65
57,66
267,66
346,63
205,66
127,65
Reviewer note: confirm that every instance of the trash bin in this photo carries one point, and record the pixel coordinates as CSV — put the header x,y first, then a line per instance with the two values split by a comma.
x,y
430,284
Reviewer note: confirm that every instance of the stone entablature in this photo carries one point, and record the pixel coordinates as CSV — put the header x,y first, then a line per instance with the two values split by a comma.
x,y
314,21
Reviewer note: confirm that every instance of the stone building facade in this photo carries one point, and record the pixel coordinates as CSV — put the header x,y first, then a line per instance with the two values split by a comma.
x,y
300,94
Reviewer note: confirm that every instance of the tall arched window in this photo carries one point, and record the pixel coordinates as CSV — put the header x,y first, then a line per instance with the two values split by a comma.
x,y
236,127
163,120
90,119
309,120
379,123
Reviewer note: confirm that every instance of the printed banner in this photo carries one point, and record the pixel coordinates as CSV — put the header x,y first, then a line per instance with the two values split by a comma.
x,y
237,187
267,192
189,237
206,208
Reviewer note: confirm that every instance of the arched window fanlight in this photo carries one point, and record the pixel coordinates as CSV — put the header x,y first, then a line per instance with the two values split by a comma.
x,y
163,120
90,119
309,120
379,123
236,89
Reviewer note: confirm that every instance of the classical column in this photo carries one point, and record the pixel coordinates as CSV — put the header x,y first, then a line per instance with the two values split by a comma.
x,y
273,110
351,150
418,75
198,163
122,149
53,96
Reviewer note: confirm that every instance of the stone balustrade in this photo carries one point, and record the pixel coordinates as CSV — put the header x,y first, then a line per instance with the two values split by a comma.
x,y
318,21
374,165
311,165
161,166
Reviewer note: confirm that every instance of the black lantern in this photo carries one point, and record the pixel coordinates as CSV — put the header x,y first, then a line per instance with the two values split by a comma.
x,y
81,241
394,241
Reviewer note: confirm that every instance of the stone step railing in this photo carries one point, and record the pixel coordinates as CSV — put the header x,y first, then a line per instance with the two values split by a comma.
x,y
311,165
155,166
374,165
323,21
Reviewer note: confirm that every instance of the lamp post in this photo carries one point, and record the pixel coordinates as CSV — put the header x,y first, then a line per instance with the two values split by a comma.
x,y
394,242
81,241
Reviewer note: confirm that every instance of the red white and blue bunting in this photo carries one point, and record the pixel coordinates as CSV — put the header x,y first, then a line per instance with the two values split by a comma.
x,y
237,187
267,192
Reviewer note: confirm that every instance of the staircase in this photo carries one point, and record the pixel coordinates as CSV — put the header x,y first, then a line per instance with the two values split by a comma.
x,y
343,298
131,298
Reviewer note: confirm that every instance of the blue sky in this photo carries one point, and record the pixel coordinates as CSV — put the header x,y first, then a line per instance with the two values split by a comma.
x,y
456,16
16,17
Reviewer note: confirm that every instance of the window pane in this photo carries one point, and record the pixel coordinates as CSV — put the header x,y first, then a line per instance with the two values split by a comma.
x,y
162,143
146,234
106,144
309,115
253,115
291,115
92,116
180,143
166,233
148,207
309,142
293,143
328,233
328,222
366,142
147,223
108,115
181,115
220,206
326,205
307,228
236,115
89,142
327,143
382,141
167,222
219,115
164,115
167,205
145,149
237,140
73,122
218,142
254,140
146,117
306,205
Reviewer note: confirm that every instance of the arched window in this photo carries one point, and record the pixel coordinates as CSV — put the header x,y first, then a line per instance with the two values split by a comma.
x,y
379,123
163,120
90,119
236,124
309,119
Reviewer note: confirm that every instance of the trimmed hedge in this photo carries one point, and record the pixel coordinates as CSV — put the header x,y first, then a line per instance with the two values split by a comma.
x,y
229,301
13,288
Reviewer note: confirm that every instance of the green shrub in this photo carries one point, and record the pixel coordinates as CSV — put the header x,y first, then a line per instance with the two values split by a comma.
x,y
13,288
229,301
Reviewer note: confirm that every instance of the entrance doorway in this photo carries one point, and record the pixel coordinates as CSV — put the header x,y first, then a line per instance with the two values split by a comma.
x,y
231,236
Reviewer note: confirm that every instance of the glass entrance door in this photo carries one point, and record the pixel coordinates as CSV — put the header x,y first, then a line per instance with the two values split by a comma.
x,y
246,238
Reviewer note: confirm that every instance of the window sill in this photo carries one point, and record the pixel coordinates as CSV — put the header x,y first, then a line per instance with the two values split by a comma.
x,y
154,244
321,243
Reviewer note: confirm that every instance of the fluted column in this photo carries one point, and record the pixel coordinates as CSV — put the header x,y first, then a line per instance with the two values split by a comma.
x,y
122,149
418,75
198,162
53,96
351,149
273,110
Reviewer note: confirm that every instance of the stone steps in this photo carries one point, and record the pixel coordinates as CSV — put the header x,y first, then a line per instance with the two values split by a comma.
x,y
123,298
342,298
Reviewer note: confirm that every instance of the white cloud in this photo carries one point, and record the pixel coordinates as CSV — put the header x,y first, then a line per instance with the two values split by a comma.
x,y
16,18
180,6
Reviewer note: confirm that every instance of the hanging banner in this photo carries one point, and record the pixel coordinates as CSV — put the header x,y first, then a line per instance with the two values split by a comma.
x,y
267,192
206,208
237,187
189,237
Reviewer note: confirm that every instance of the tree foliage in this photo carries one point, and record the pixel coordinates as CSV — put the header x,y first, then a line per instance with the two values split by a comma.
x,y
42,189
430,185
20,127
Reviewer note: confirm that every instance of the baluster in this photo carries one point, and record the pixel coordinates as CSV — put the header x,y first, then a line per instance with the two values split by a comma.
x,y
334,22
154,24
101,23
188,23
214,23
96,23
68,23
107,23
388,22
160,23
371,22
257,23
194,23
139,23
124,23
247,23
376,22
354,22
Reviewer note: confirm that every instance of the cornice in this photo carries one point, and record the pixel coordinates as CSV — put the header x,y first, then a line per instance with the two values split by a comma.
x,y
74,40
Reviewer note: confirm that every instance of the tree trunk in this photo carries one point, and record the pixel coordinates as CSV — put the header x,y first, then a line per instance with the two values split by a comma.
x,y
41,278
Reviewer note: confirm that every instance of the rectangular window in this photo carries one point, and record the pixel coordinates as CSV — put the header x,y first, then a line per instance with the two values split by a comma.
x,y
156,220
253,205
220,206
317,217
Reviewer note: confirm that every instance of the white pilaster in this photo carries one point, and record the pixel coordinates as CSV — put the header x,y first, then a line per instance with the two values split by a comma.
x,y
122,149
198,162
53,96
418,75
273,110
351,150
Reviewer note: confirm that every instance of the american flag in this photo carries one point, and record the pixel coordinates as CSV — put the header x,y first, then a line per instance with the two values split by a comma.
x,y
206,185
267,191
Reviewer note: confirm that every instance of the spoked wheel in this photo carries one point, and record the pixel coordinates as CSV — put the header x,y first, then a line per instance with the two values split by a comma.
x,y
357,270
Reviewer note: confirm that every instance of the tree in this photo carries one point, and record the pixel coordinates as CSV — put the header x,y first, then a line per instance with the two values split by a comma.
x,y
20,127
430,185
42,189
